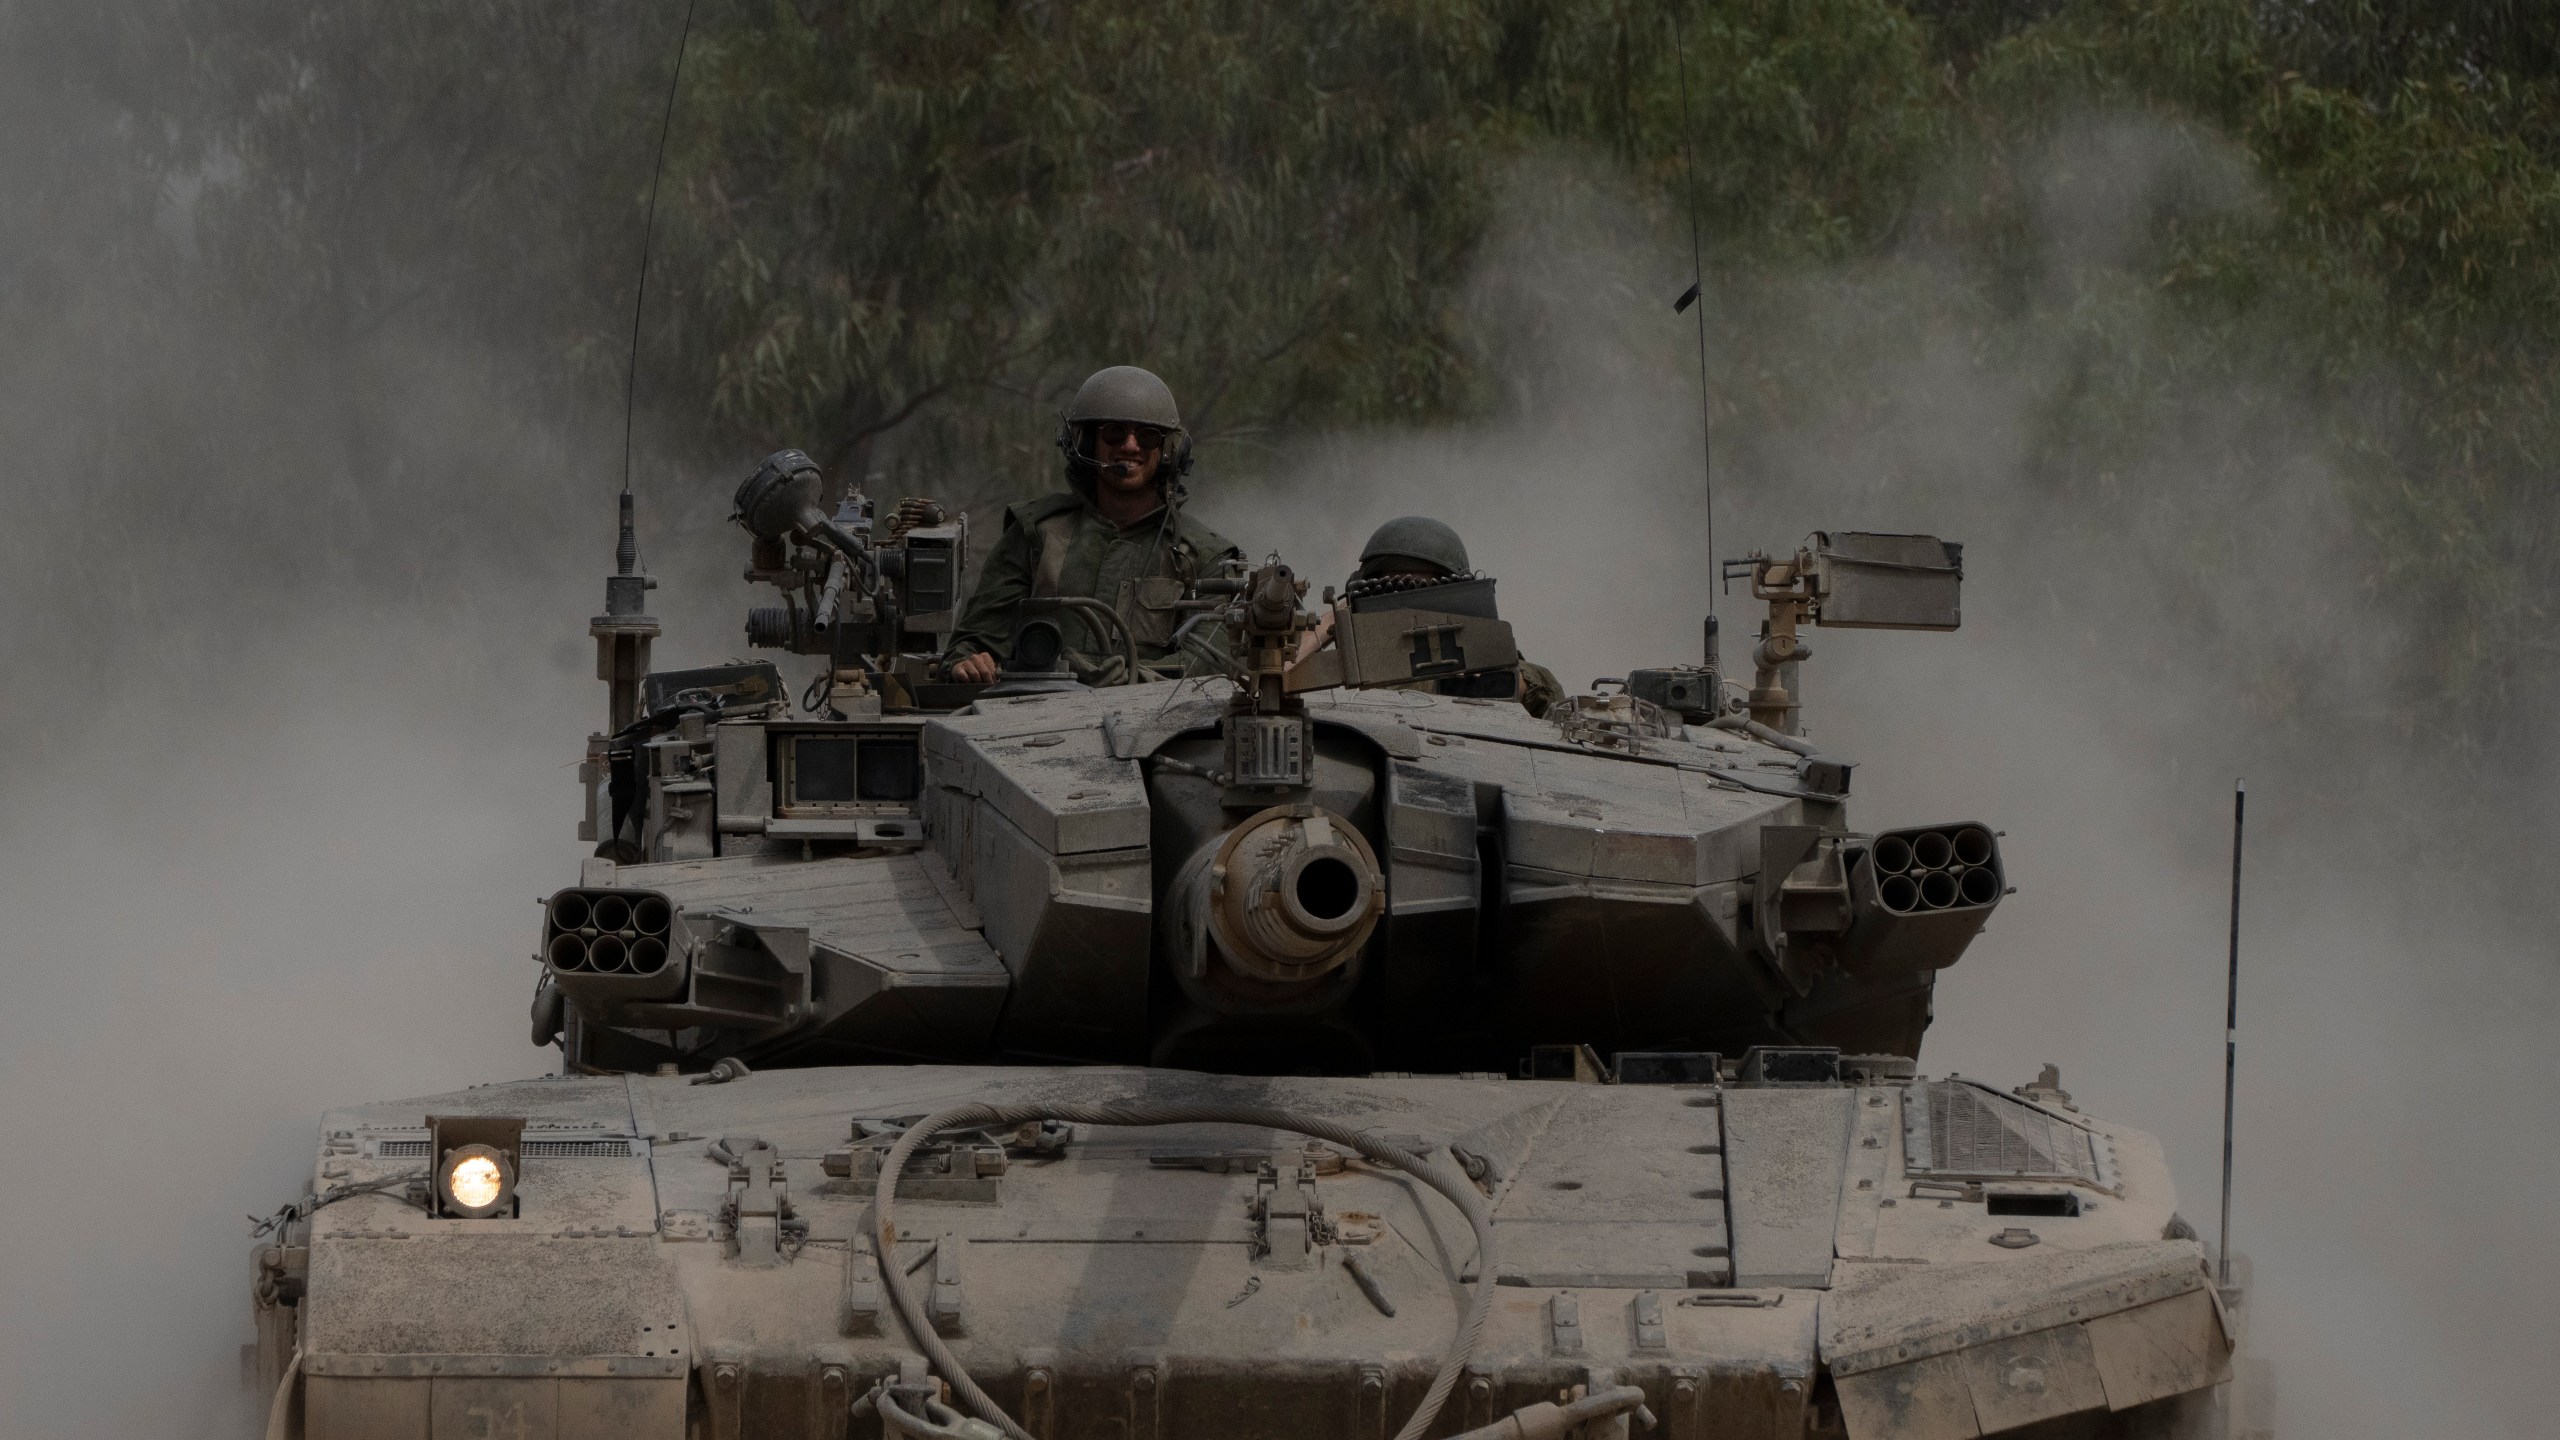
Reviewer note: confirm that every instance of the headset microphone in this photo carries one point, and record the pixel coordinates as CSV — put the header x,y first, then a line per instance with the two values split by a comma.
x,y
1177,454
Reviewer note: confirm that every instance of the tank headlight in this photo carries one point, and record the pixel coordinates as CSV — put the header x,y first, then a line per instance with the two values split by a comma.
x,y
475,1182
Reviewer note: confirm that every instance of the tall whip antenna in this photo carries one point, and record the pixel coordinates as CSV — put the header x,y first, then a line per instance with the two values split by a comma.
x,y
624,631
648,231
1696,295
2231,1022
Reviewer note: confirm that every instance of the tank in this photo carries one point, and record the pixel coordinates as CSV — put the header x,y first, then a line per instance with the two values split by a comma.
x,y
1324,1047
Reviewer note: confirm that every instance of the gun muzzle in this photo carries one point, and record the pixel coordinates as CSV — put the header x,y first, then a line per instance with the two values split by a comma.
x,y
1293,894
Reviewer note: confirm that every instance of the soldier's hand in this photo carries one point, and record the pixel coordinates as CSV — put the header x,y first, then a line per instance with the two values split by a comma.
x,y
978,668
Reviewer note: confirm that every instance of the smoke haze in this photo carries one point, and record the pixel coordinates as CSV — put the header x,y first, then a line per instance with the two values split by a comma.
x,y
297,676
2397,983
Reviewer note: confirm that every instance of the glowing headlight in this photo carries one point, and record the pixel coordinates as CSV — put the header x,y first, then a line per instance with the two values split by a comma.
x,y
475,1182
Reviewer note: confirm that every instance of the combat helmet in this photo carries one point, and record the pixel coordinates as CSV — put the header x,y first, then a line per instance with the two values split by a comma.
x,y
1411,538
1132,396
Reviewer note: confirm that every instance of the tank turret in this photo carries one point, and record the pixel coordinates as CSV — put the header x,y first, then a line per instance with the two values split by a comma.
x,y
1307,866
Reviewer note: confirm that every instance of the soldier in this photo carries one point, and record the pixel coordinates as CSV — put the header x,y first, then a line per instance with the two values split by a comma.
x,y
1118,536
1419,549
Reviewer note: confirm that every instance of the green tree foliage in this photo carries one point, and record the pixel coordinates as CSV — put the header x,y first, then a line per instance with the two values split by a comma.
x,y
891,231
904,223
902,217
2395,278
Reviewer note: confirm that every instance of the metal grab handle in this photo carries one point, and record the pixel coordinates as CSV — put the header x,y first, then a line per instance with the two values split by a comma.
x,y
1545,1421
930,1420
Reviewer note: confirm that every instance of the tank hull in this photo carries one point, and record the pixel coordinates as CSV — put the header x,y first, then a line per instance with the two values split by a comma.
x,y
1768,1260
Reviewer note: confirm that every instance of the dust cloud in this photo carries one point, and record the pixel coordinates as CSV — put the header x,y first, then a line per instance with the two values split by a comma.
x,y
2398,979
296,678
294,638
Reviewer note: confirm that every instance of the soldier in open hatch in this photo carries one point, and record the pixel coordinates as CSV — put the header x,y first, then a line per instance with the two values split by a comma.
x,y
1117,536
1416,550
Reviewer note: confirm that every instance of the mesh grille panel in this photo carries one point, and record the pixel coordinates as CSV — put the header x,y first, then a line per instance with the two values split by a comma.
x,y
531,1149
1970,1132
600,1149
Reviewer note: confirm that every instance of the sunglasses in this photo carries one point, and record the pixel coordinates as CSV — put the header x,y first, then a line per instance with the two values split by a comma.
x,y
1116,432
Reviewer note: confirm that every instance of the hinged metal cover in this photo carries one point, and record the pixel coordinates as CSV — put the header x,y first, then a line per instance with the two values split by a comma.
x,y
1870,581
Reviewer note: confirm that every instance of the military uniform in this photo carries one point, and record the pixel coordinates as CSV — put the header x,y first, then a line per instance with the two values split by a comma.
x,y
1061,545
1539,688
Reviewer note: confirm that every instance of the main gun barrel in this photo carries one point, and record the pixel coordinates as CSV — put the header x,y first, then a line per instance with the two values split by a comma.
x,y
1288,897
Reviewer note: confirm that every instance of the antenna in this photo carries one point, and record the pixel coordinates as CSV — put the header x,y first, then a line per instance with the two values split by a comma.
x,y
648,231
1696,295
623,632
2231,1022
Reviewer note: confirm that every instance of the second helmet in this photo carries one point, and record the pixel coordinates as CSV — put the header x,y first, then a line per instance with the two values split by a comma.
x,y
1416,537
